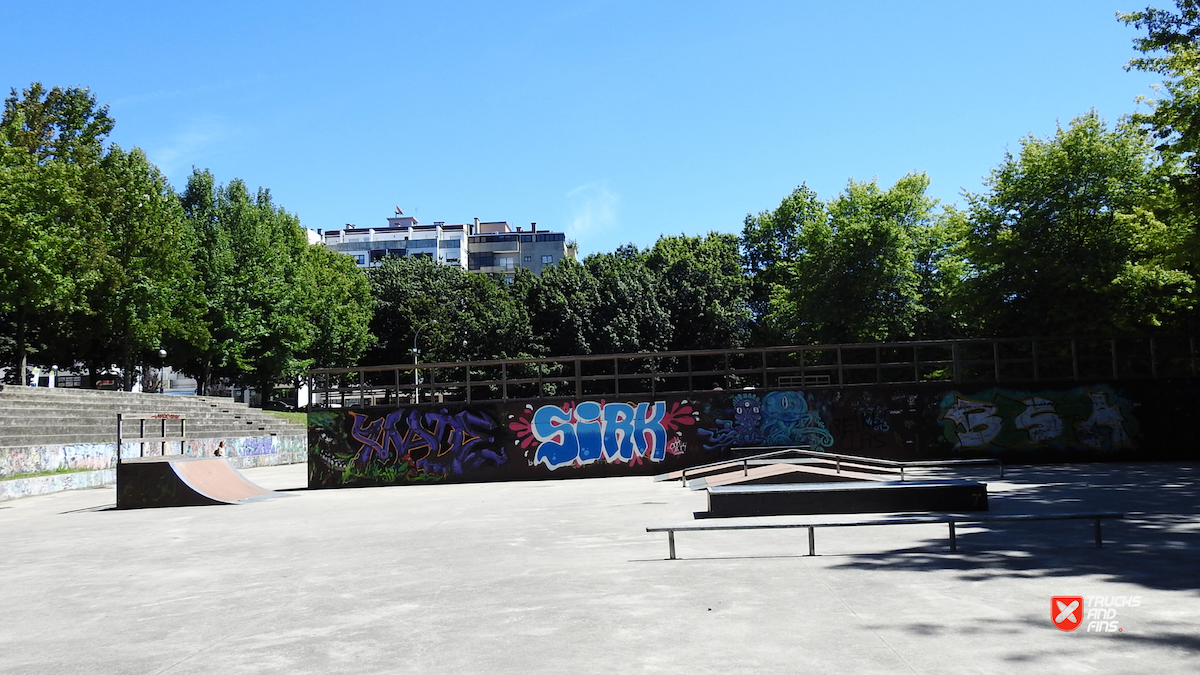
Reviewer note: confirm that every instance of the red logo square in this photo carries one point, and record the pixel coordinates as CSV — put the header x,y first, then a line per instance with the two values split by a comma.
x,y
1066,611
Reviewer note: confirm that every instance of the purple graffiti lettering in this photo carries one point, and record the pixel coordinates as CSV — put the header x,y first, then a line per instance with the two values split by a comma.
x,y
369,435
438,443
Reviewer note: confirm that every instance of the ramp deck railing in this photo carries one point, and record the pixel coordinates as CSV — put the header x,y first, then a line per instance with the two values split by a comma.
x,y
995,360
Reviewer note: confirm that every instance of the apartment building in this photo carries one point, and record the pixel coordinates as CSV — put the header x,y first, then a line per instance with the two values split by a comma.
x,y
487,247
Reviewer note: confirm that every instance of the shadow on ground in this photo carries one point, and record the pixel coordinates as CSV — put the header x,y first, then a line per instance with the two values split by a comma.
x,y
1157,545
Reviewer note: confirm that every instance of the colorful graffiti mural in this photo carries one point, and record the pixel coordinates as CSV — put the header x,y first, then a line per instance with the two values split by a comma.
x,y
1093,418
778,418
655,434
406,445
577,434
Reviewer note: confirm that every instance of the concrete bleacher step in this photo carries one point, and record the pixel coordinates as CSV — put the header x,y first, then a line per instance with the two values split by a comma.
x,y
32,416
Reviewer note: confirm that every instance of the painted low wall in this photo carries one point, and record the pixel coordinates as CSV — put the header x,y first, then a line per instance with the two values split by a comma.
x,y
97,459
647,435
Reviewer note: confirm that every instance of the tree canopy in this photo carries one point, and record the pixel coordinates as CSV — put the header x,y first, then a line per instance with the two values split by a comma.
x,y
1092,230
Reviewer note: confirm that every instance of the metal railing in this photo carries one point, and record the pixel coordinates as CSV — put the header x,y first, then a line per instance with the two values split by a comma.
x,y
994,360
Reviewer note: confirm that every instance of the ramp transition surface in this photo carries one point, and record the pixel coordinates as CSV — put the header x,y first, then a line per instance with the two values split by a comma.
x,y
183,481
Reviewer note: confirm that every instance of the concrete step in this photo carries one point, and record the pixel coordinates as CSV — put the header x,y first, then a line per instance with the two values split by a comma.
x,y
36,412
40,416
43,393
131,430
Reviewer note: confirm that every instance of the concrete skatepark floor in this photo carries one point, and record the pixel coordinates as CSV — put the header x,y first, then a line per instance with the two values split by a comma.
x,y
561,576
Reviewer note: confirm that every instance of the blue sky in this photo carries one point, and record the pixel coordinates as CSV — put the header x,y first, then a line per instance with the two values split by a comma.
x,y
613,121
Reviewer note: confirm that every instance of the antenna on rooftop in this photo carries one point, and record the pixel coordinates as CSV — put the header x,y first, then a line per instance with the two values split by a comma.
x,y
399,212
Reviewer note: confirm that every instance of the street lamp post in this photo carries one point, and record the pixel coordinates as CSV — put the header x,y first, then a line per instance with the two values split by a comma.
x,y
416,353
162,371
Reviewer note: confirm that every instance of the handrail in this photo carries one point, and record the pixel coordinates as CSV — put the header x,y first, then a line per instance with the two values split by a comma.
x,y
807,451
743,460
142,439
891,463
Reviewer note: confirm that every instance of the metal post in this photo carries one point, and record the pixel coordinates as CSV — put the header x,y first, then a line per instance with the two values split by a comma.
x,y
954,362
878,368
1099,541
616,377
916,365
504,381
841,379
837,465
1074,361
812,540
901,472
996,359
118,438
1033,351
468,367
1113,347
953,538
1153,361
671,542
578,380
745,467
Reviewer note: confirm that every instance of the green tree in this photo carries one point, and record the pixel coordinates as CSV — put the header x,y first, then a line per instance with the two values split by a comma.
x,y
857,264
628,315
338,300
48,140
1068,238
460,315
770,244
144,289
703,290
562,307
250,260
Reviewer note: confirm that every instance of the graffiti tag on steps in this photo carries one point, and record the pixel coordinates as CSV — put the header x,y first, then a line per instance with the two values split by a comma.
x,y
1097,418
577,434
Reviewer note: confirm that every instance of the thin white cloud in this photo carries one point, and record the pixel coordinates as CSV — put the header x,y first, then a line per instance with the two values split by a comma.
x,y
176,155
593,209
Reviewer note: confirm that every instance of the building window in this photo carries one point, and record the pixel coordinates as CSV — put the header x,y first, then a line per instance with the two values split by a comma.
x,y
450,243
528,258
547,259
527,239
551,236
377,255
505,262
422,243
360,259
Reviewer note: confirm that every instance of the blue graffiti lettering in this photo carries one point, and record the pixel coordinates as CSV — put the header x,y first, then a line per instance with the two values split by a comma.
x,y
592,432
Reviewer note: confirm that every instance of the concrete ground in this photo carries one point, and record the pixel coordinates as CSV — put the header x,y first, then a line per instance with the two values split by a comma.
x,y
561,577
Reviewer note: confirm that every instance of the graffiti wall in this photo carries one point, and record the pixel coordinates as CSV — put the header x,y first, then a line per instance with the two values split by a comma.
x,y
650,435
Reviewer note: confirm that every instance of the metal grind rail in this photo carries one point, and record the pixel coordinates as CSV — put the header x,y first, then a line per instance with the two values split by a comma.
x,y
838,460
873,462
949,519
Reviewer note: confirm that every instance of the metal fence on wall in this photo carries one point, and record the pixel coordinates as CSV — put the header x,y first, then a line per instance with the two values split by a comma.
x,y
769,368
